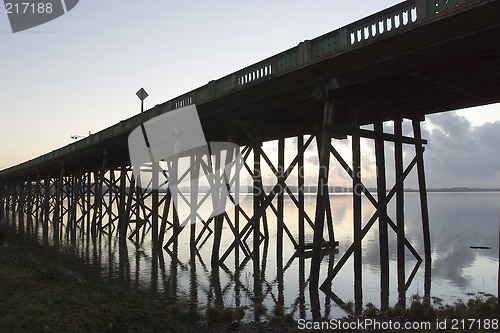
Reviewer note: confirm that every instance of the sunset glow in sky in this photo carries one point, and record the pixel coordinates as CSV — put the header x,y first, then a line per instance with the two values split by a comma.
x,y
80,72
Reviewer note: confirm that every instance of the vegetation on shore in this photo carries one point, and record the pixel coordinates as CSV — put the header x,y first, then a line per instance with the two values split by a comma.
x,y
37,295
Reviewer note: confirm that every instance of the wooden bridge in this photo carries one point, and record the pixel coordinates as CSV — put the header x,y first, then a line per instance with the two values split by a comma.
x,y
416,58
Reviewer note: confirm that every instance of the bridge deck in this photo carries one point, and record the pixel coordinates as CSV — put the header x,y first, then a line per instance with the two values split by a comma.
x,y
432,59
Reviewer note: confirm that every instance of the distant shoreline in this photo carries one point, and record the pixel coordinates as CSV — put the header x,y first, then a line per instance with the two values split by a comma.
x,y
341,190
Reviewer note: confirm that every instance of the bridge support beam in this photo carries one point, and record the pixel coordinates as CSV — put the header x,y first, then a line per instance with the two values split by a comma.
x,y
381,214
357,189
419,150
382,217
399,175
321,199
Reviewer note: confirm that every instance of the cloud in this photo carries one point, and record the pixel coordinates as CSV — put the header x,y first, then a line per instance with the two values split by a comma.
x,y
459,154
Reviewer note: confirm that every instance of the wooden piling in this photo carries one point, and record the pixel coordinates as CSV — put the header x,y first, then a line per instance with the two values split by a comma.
x,y
300,185
38,198
322,196
29,206
122,221
14,201
419,150
398,158
219,219
382,218
357,187
194,174
257,189
2,199
424,210
22,198
46,207
281,195
155,201
58,205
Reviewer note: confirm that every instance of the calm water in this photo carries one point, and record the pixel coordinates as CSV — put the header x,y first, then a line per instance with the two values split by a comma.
x,y
458,221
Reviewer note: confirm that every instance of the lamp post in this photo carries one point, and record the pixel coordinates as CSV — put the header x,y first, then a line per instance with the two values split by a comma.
x,y
142,94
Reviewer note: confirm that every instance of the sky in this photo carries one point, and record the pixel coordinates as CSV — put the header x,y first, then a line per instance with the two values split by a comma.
x,y
80,72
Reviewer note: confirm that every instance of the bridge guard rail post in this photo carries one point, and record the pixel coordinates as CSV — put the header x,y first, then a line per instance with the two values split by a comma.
x,y
322,197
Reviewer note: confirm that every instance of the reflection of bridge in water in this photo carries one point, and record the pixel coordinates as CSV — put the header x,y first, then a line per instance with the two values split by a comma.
x,y
415,58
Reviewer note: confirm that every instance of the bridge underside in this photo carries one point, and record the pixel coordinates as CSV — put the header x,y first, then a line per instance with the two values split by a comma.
x,y
436,67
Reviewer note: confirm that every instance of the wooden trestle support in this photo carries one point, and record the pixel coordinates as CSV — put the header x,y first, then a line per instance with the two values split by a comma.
x,y
71,203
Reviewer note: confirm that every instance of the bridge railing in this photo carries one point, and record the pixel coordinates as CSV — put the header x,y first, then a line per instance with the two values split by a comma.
x,y
381,24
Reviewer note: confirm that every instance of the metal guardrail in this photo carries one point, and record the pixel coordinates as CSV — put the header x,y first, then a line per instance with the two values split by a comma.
x,y
378,25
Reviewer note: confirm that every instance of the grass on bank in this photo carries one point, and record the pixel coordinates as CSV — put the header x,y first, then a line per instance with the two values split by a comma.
x,y
35,296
